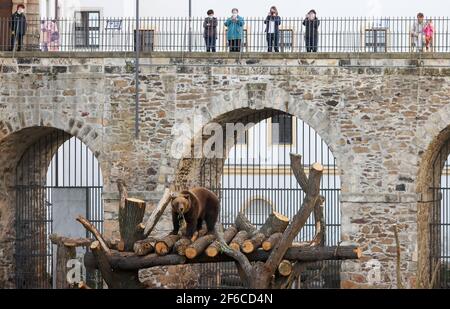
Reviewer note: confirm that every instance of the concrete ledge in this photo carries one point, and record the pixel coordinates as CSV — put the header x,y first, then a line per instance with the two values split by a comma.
x,y
222,55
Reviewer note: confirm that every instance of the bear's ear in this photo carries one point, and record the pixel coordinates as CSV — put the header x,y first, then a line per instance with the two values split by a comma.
x,y
174,195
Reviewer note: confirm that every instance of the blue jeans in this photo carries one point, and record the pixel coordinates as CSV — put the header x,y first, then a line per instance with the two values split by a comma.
x,y
272,42
210,42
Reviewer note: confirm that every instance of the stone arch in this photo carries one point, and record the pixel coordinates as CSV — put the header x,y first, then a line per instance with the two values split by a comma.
x,y
17,135
433,151
255,102
256,99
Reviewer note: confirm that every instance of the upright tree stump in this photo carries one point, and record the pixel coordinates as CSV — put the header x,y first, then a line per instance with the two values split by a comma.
x,y
130,222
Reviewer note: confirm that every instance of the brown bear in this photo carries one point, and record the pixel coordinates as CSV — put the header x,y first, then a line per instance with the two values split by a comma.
x,y
195,205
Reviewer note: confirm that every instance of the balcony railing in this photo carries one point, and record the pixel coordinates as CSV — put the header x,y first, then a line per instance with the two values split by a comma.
x,y
166,34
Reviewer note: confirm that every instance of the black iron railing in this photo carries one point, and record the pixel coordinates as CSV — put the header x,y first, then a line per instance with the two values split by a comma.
x,y
91,33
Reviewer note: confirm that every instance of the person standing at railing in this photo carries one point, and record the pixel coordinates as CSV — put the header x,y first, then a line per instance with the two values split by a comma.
x,y
210,31
235,25
49,35
273,22
311,24
417,34
428,32
18,27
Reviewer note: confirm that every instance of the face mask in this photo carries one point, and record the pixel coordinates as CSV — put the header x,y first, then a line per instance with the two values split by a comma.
x,y
20,11
211,15
235,14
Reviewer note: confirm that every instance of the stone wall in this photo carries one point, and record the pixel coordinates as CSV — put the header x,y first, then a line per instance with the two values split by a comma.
x,y
381,115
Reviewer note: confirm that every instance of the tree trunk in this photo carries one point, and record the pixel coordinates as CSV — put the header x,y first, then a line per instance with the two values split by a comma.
x,y
163,246
157,213
64,253
254,243
128,261
214,249
238,240
115,279
275,223
181,246
144,247
130,219
319,221
272,241
243,224
199,246
299,220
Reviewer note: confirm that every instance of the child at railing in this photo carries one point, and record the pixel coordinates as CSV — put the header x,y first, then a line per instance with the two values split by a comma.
x,y
428,31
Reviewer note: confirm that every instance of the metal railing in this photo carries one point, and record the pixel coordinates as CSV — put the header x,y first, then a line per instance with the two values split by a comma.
x,y
182,34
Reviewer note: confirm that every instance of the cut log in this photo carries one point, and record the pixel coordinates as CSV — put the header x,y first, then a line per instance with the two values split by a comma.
x,y
144,247
130,219
127,261
285,268
243,224
254,243
199,246
157,213
238,240
181,245
70,242
228,236
275,223
163,246
272,241
299,171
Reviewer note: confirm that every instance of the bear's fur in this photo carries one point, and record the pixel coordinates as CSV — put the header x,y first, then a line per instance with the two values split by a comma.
x,y
195,205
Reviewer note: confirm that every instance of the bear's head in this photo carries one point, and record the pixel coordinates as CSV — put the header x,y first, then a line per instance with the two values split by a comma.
x,y
181,203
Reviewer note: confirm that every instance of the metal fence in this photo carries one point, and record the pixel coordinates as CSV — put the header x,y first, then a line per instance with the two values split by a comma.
x,y
57,179
89,32
257,179
440,223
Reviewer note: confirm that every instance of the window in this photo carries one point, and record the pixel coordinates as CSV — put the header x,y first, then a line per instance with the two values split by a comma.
x,y
283,125
286,40
146,40
87,29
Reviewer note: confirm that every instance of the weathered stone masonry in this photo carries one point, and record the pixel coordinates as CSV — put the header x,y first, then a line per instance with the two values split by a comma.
x,y
384,117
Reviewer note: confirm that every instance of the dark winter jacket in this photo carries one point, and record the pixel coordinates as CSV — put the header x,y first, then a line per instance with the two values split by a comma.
x,y
18,23
311,27
210,27
276,19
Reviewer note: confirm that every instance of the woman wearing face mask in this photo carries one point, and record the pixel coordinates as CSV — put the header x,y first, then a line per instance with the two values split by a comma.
x,y
311,24
273,22
18,27
234,25
210,31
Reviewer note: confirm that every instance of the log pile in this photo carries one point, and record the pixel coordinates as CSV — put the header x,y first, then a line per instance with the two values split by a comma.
x,y
265,257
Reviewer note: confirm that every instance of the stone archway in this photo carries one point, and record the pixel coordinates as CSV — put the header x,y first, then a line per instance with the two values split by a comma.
x,y
429,198
16,142
209,171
